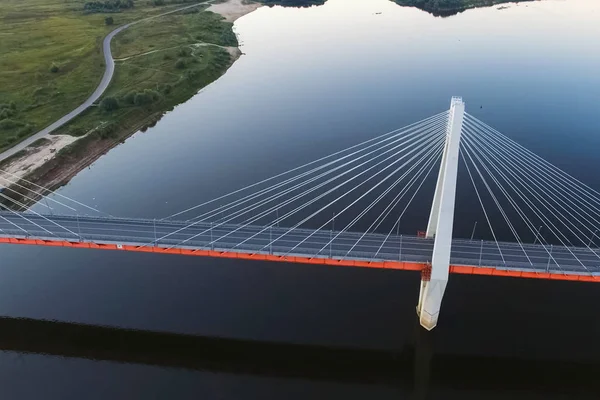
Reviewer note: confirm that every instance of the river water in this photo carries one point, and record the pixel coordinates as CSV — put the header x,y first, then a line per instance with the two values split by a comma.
x,y
313,81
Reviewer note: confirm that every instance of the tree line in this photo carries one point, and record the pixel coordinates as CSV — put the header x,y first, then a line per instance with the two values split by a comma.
x,y
107,5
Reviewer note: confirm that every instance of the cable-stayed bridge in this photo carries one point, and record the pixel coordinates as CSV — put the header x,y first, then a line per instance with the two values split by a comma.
x,y
346,209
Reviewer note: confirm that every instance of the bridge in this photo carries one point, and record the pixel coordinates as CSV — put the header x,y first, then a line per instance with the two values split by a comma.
x,y
291,217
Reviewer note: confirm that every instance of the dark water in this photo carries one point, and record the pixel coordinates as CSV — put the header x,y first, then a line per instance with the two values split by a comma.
x,y
314,81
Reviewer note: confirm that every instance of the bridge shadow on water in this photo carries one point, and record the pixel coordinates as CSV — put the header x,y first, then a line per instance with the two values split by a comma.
x,y
416,368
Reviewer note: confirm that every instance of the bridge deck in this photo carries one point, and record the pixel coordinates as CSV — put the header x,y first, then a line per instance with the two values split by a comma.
x,y
301,245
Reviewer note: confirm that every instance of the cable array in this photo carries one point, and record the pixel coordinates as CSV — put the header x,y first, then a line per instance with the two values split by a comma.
x,y
18,195
350,205
359,186
536,201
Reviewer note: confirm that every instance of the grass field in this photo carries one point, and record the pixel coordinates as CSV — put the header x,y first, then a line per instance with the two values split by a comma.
x,y
51,59
162,64
36,35
159,64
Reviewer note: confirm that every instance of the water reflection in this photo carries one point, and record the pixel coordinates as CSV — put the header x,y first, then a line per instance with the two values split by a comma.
x,y
414,369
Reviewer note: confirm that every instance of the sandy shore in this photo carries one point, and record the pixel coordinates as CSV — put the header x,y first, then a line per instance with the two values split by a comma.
x,y
33,158
234,9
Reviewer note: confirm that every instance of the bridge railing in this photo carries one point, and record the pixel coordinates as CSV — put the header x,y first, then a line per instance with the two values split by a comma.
x,y
404,255
410,249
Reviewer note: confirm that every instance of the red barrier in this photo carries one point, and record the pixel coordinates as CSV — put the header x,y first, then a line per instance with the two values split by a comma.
x,y
522,274
405,266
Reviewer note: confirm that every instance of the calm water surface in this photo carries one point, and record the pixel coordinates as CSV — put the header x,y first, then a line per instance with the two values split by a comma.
x,y
313,81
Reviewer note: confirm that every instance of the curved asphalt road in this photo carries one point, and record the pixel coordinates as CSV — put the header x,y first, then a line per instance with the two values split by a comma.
x,y
106,78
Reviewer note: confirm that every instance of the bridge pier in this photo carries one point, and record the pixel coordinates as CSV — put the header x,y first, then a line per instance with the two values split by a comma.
x,y
425,278
441,222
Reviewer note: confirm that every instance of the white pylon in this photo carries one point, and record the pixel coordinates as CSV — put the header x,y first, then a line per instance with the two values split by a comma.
x,y
441,221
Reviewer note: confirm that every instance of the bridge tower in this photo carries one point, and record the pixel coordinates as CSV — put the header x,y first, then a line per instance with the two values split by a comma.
x,y
441,221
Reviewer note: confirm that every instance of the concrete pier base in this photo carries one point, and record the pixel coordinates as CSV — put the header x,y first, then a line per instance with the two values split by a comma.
x,y
430,302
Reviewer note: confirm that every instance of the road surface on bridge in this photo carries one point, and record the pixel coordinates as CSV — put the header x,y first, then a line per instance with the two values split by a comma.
x,y
299,242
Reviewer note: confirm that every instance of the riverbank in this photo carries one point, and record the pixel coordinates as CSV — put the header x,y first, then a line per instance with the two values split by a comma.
x,y
7,121
51,58
157,66
446,8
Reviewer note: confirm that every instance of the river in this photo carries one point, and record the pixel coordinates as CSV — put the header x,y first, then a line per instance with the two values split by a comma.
x,y
313,81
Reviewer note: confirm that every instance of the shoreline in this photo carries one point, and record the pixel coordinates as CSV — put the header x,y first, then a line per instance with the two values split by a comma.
x,y
56,161
52,161
103,84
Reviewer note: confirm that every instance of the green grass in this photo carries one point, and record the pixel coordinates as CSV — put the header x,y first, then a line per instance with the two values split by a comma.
x,y
149,58
172,31
37,34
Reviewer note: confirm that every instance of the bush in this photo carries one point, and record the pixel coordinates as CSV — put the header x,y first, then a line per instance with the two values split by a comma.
x,y
8,106
191,74
184,52
25,131
142,99
148,96
165,88
54,68
158,2
6,113
180,64
8,123
109,20
154,95
107,6
167,57
107,131
129,98
76,131
109,104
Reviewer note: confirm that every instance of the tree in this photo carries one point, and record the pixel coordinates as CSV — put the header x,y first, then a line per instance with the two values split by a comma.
x,y
142,99
180,64
129,98
165,88
7,110
109,20
109,104
5,113
107,131
54,68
